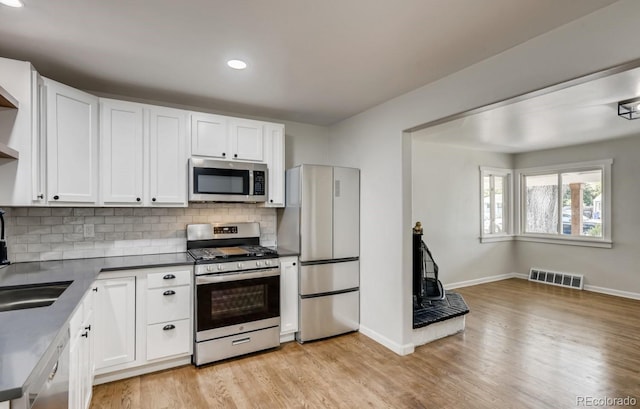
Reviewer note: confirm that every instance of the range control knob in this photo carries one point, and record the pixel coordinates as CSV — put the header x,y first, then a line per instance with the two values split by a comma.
x,y
240,265
258,264
209,268
267,262
220,267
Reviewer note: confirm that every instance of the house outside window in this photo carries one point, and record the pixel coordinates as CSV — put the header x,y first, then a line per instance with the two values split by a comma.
x,y
563,204
496,209
567,204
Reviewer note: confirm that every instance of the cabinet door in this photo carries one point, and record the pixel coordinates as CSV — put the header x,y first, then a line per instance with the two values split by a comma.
x,y
167,156
288,295
209,136
72,144
80,354
38,135
75,371
247,139
121,154
87,365
115,318
274,158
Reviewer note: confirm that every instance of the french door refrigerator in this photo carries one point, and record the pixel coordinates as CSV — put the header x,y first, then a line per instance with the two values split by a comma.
x,y
321,221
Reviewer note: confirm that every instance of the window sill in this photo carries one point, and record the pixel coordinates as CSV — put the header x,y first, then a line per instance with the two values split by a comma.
x,y
584,242
496,239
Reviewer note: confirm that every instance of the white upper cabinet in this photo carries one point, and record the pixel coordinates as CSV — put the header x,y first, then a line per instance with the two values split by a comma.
x,y
274,158
72,145
247,138
121,152
222,137
167,156
209,135
143,154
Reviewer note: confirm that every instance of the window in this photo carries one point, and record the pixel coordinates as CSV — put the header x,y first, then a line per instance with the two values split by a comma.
x,y
496,204
568,203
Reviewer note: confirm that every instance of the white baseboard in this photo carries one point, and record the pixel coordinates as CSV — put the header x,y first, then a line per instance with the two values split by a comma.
x,y
611,291
399,349
482,280
287,337
141,370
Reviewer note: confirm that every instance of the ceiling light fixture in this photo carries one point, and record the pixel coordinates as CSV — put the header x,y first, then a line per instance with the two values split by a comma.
x,y
629,109
12,3
237,64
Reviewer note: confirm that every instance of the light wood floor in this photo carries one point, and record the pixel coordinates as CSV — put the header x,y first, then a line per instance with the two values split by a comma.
x,y
526,345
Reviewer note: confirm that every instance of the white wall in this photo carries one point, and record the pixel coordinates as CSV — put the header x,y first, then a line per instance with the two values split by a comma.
x,y
374,142
306,144
617,268
446,199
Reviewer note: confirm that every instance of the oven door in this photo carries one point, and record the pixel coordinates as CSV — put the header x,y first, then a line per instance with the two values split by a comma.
x,y
225,301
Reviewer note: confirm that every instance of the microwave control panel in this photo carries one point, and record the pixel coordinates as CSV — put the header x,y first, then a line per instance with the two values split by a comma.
x,y
258,183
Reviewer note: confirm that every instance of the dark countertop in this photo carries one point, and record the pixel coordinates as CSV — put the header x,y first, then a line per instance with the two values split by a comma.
x,y
28,336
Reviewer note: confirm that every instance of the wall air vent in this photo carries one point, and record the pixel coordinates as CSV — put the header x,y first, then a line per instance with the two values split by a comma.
x,y
569,280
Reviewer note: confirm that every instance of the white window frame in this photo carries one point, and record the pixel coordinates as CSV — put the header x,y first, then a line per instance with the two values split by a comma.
x,y
507,205
604,241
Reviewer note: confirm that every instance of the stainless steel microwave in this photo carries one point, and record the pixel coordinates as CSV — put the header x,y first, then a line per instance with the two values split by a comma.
x,y
227,181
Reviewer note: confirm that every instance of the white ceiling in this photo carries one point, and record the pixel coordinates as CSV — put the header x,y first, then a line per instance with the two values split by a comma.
x,y
309,61
578,114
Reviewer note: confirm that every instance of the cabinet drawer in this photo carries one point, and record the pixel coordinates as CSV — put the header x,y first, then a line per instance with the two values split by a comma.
x,y
168,338
168,304
169,278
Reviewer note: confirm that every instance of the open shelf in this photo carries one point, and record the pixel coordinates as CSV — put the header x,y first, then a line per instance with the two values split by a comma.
x,y
7,100
7,152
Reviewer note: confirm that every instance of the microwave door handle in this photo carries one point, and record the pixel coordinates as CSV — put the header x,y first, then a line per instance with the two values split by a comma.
x,y
251,188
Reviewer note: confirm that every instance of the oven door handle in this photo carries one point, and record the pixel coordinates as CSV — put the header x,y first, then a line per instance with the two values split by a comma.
x,y
221,278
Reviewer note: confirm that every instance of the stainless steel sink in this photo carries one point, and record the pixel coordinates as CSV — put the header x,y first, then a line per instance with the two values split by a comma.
x,y
21,297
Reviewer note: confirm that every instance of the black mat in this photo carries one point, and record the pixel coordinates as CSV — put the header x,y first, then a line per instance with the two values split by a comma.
x,y
431,312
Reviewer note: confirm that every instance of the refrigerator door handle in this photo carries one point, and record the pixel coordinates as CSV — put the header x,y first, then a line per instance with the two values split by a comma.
x,y
332,261
348,290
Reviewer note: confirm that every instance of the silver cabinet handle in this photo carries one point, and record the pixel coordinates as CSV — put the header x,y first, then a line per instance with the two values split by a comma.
x,y
240,341
168,327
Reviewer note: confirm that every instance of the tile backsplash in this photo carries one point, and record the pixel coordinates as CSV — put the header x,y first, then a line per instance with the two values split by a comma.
x,y
56,233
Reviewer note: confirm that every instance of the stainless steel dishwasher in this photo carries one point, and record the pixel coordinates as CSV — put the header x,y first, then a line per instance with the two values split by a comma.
x,y
50,388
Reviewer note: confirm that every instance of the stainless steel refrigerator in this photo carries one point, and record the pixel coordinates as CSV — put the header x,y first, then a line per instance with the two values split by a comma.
x,y
322,221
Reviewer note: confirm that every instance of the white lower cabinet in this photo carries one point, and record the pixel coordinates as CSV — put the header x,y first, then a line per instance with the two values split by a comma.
x,y
168,339
81,353
115,327
144,321
288,297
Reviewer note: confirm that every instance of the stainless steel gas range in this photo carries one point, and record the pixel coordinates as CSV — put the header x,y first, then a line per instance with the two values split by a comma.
x,y
237,292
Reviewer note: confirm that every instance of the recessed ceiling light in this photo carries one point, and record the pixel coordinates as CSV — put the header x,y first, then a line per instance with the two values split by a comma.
x,y
11,3
237,64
